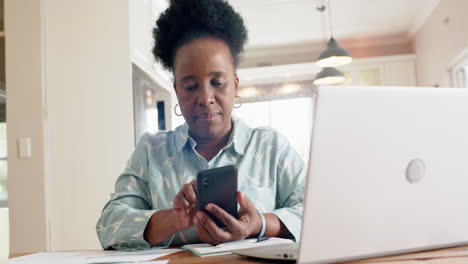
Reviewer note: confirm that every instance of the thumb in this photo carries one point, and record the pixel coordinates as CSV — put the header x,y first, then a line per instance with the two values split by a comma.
x,y
244,202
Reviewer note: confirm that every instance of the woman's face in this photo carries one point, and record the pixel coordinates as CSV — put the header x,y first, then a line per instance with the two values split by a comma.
x,y
206,86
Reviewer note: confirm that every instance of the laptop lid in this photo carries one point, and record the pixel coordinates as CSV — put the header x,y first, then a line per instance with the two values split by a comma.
x,y
388,172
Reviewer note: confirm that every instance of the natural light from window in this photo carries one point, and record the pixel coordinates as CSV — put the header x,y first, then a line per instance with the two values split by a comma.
x,y
3,166
465,79
291,117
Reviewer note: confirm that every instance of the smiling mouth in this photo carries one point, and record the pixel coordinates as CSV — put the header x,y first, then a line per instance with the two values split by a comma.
x,y
207,116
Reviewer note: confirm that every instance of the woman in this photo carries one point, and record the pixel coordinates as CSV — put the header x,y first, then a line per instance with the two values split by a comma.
x,y
155,200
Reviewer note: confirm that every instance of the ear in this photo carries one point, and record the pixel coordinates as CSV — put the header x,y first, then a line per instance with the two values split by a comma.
x,y
236,83
174,85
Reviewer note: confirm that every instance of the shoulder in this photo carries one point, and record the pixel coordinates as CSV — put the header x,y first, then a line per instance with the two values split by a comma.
x,y
268,135
273,141
155,138
164,140
257,136
151,139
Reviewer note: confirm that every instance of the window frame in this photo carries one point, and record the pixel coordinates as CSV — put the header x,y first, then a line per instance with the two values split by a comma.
x,y
459,70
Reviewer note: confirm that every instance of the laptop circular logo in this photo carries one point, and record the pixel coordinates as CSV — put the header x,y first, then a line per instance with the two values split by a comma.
x,y
415,171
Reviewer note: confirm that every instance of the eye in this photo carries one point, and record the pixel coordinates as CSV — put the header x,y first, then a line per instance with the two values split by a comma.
x,y
217,83
191,87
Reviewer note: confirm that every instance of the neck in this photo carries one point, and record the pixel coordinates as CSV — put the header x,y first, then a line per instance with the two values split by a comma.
x,y
208,147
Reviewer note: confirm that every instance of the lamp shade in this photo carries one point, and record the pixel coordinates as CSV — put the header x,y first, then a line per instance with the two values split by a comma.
x,y
328,76
334,55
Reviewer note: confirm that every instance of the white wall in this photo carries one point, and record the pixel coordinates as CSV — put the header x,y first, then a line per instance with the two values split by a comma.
x,y
88,129
439,42
24,81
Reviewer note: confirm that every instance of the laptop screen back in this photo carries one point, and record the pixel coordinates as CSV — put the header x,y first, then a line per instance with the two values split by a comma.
x,y
388,172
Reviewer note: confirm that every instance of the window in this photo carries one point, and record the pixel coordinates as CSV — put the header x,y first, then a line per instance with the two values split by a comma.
x,y
459,71
460,76
370,76
3,166
291,117
348,78
465,76
151,105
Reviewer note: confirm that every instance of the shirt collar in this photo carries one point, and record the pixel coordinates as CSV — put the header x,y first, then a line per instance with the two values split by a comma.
x,y
239,137
181,136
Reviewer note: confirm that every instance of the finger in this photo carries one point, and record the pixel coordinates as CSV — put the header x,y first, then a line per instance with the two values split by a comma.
x,y
180,214
217,233
193,211
188,204
180,201
229,221
245,202
194,186
202,233
189,193
184,203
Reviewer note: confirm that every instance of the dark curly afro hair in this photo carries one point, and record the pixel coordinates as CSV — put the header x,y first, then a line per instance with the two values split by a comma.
x,y
186,20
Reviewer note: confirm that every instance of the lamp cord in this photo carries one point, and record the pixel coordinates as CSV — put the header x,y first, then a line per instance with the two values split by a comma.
x,y
321,8
324,27
329,18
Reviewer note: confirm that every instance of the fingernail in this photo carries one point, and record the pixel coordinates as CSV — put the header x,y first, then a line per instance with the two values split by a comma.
x,y
199,216
209,207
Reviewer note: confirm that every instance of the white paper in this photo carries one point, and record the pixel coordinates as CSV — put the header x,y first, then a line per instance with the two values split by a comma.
x,y
149,262
215,254
85,257
202,249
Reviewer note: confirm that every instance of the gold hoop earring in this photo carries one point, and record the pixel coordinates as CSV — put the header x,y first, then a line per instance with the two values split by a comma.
x,y
175,110
237,101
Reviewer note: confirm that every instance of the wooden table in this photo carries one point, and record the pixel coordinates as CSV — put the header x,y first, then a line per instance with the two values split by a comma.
x,y
455,255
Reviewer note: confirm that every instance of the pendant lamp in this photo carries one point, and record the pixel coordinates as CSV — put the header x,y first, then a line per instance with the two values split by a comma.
x,y
334,55
329,76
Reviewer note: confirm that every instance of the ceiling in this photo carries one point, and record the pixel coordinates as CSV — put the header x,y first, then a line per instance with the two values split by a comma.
x,y
283,22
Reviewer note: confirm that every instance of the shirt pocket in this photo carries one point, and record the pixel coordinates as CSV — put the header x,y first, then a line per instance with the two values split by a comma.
x,y
264,199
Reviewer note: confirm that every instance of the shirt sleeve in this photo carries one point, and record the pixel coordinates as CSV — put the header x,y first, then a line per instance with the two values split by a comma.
x,y
125,216
291,176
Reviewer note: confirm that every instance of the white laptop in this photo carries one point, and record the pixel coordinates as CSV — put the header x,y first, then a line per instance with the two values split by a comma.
x,y
388,174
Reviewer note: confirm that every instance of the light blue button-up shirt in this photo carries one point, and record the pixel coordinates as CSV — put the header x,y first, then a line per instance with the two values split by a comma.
x,y
270,173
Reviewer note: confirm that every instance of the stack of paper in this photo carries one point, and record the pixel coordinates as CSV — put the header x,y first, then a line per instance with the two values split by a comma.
x,y
93,257
207,249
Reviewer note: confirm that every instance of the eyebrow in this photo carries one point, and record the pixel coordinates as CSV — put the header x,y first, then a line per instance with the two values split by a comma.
x,y
191,77
217,73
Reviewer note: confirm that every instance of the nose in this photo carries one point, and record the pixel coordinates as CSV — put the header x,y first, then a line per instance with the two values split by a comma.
x,y
205,96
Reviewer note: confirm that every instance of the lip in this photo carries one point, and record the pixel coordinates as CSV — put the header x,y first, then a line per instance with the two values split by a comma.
x,y
208,116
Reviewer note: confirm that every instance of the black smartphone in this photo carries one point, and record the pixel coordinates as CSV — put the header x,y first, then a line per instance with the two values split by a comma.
x,y
218,186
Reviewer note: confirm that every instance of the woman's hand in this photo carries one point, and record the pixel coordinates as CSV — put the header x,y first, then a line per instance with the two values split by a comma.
x,y
186,205
248,224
